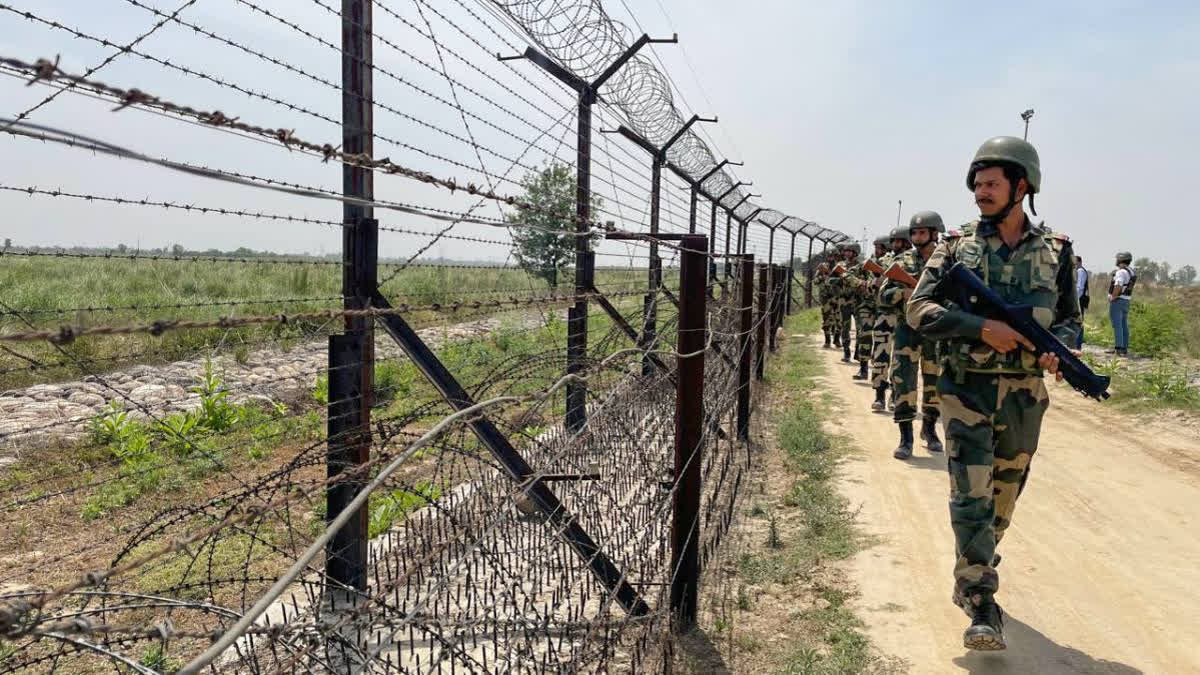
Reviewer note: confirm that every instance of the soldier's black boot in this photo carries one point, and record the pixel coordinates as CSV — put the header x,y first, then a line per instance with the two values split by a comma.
x,y
845,351
904,450
929,433
862,373
880,404
826,339
986,632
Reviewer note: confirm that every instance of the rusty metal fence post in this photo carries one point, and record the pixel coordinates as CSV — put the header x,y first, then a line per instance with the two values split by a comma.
x,y
745,306
761,320
689,431
352,354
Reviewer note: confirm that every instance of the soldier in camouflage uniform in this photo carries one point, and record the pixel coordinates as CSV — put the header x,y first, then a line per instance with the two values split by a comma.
x,y
834,284
886,318
992,391
845,292
854,310
821,281
883,323
910,348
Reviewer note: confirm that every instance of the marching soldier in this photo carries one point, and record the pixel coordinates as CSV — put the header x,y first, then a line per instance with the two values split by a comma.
x,y
885,324
910,349
992,392
848,297
824,296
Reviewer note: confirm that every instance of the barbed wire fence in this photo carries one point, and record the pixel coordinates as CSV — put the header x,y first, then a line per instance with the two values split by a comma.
x,y
384,459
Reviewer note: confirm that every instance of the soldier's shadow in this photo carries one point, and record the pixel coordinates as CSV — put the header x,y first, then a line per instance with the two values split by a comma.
x,y
1029,651
928,462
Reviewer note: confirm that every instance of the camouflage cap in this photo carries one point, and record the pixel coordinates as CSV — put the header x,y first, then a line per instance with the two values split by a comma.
x,y
1009,150
929,219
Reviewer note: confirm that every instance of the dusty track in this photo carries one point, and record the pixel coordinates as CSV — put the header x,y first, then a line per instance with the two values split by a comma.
x,y
1100,570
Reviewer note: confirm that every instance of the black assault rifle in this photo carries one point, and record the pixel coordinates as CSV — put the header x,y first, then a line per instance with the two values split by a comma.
x,y
969,291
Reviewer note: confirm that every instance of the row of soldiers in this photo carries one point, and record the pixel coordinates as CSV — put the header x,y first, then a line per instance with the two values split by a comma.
x,y
890,354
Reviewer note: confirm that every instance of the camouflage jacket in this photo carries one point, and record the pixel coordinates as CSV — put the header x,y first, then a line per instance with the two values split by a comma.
x,y
1038,271
891,294
877,282
822,289
855,286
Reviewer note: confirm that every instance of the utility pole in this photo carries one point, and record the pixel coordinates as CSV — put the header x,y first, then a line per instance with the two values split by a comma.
x,y
1027,115
899,203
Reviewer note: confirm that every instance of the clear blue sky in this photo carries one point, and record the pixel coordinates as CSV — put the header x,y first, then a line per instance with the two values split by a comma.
x,y
838,109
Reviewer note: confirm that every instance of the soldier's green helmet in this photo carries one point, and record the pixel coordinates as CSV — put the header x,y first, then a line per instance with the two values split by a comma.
x,y
1125,257
852,246
1011,150
883,241
899,233
929,219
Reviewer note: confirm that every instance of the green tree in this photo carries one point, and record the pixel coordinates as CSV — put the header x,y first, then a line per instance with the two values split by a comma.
x,y
547,247
178,250
1184,276
1147,269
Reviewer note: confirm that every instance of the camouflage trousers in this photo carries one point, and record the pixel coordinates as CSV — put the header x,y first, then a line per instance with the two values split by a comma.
x,y
846,316
864,328
830,317
881,347
992,427
912,354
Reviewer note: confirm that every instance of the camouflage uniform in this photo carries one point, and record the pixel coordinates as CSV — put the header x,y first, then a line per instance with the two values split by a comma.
x,y
856,307
881,333
833,294
992,403
825,297
910,349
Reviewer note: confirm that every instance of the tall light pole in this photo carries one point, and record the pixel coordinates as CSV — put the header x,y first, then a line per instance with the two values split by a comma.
x,y
1026,116
899,203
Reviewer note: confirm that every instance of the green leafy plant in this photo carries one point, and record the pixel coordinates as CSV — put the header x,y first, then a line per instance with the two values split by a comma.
x,y
320,391
215,413
389,507
109,426
1168,384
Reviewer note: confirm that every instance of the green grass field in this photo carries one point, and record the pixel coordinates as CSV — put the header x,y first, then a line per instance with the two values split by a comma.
x,y
46,293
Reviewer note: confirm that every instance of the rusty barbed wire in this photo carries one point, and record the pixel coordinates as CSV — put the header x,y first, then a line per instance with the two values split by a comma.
x,y
68,334
133,201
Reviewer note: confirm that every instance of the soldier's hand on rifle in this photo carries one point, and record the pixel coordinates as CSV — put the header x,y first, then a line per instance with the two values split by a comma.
x,y
1001,337
1049,363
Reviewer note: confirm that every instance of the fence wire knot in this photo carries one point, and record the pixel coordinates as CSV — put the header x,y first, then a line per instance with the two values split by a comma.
x,y
66,335
44,69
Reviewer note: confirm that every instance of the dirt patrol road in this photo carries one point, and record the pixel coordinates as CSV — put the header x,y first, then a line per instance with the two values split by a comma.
x,y
1101,568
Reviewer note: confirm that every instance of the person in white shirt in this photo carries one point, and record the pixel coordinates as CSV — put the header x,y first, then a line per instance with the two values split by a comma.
x,y
1120,294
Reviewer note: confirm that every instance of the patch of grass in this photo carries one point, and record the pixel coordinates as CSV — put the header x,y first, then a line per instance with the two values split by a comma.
x,y
155,658
1163,383
182,446
813,525
217,557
